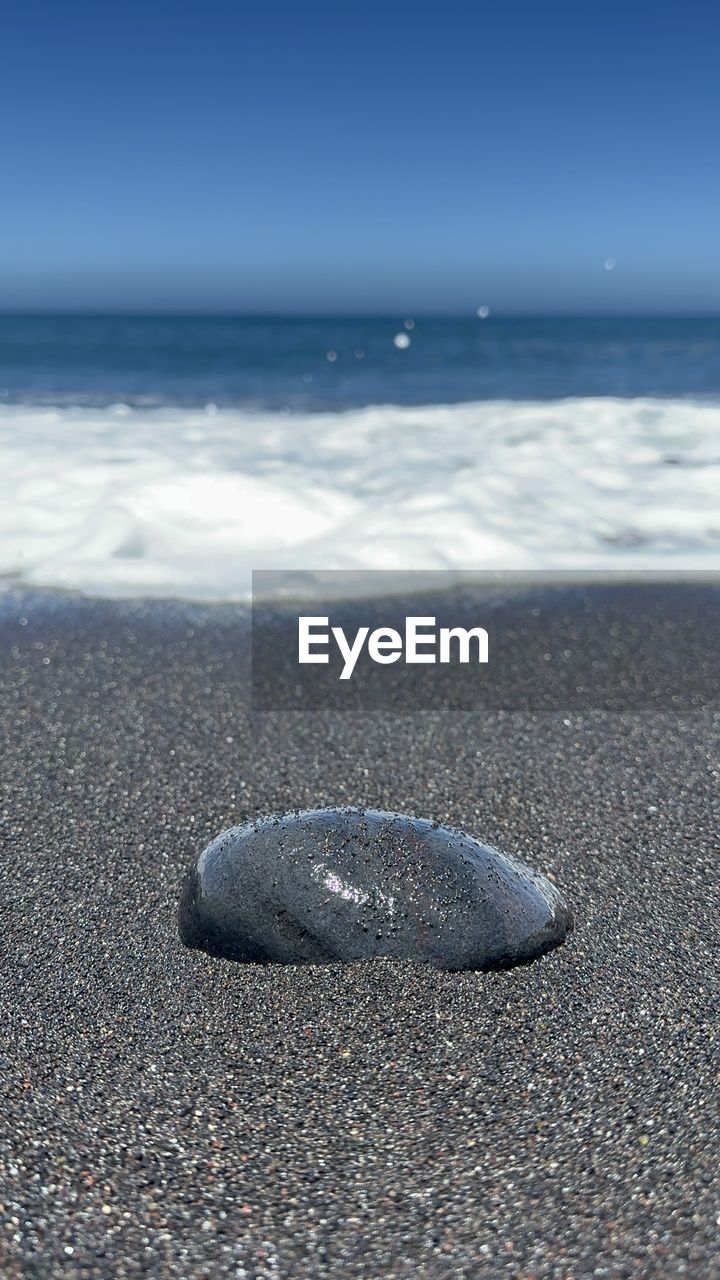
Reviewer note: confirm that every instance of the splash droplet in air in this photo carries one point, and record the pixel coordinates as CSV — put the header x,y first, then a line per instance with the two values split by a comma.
x,y
483,312
609,264
402,341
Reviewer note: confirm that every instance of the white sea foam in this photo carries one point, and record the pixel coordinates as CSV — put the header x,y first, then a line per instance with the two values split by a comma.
x,y
185,503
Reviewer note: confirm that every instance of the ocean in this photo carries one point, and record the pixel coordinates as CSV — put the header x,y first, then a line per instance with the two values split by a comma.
x,y
169,456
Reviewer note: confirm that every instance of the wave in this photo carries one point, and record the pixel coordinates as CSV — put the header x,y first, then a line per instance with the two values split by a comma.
x,y
185,503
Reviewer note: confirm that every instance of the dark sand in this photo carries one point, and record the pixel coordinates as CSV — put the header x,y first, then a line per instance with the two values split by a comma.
x,y
166,1114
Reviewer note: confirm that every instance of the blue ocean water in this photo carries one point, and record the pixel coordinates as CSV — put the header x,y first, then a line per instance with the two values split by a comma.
x,y
332,364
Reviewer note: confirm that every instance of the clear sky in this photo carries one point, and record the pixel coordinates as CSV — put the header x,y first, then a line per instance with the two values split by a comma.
x,y
304,156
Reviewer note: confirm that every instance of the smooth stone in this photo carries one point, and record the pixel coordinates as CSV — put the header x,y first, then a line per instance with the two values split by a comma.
x,y
324,885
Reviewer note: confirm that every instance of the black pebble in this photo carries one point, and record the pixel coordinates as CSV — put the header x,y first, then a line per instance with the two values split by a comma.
x,y
318,886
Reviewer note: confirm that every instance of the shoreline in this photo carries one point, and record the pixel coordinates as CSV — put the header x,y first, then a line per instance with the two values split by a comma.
x,y
319,585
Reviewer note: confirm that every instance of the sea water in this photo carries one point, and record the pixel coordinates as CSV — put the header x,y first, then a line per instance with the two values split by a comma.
x,y
170,456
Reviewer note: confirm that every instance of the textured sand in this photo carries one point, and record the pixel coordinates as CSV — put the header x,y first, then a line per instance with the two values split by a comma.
x,y
165,1114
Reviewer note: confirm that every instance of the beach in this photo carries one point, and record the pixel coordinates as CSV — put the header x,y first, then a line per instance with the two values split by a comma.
x,y
359,643
168,1114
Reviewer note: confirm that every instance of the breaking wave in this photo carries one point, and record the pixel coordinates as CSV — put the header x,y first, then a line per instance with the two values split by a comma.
x,y
185,502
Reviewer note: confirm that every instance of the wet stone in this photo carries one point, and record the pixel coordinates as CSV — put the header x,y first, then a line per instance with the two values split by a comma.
x,y
325,885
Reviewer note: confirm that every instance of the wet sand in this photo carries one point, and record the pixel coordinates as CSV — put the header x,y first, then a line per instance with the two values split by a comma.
x,y
166,1114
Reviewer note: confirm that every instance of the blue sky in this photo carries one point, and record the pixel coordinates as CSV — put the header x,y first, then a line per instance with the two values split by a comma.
x,y
402,157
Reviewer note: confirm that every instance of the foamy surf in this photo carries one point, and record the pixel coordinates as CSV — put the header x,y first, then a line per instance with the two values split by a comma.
x,y
185,502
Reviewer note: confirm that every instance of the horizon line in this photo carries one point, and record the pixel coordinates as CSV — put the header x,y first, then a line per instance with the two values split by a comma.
x,y
297,314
